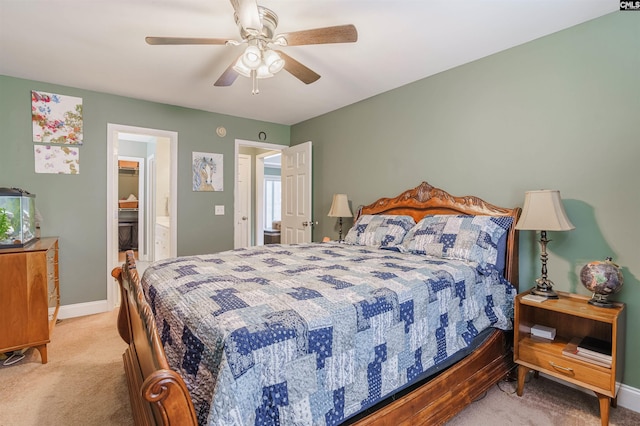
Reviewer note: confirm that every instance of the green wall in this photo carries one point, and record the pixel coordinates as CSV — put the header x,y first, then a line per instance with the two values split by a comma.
x,y
560,112
74,206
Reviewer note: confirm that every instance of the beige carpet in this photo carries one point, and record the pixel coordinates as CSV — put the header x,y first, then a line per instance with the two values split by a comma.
x,y
543,403
84,384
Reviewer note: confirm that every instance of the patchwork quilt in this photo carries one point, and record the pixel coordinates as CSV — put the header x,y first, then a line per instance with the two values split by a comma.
x,y
310,334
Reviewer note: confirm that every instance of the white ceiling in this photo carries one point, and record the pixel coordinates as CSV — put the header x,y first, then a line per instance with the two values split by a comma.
x,y
99,45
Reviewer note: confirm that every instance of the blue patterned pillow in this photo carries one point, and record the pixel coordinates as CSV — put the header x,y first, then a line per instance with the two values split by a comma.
x,y
478,239
379,230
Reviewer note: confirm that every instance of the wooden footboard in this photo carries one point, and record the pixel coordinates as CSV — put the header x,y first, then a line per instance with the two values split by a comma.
x,y
158,394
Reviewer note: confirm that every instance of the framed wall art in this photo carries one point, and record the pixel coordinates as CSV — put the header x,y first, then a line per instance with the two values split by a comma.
x,y
207,171
57,159
56,118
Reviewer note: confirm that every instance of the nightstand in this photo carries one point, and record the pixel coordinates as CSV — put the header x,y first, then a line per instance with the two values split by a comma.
x,y
571,316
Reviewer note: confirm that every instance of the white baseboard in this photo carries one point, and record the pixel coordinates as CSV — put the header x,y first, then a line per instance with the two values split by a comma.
x,y
628,397
82,309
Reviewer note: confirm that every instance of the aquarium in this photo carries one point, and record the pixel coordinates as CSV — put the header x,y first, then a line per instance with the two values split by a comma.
x,y
17,217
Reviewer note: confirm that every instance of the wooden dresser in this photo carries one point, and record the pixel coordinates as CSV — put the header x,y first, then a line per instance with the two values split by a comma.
x,y
29,295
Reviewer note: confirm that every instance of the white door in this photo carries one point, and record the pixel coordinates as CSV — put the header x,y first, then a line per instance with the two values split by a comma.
x,y
242,215
296,194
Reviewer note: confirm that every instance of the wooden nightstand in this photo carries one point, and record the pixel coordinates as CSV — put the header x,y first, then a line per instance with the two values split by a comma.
x,y
572,317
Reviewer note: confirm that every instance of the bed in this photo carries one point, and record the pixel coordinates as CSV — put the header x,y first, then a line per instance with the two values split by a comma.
x,y
406,322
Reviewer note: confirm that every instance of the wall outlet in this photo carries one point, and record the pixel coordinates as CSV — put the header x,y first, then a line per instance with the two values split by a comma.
x,y
219,210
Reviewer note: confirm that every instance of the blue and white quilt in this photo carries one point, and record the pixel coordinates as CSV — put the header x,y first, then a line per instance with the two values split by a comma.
x,y
310,334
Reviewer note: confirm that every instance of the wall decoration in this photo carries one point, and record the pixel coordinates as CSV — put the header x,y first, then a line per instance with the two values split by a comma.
x,y
56,118
57,159
207,171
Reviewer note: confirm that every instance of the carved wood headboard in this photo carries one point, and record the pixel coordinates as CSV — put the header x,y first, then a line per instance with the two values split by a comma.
x,y
426,200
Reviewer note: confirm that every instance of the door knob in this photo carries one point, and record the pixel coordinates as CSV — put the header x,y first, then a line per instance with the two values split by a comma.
x,y
244,218
312,223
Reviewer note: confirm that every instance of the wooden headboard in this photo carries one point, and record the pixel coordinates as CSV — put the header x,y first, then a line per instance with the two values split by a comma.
x,y
425,200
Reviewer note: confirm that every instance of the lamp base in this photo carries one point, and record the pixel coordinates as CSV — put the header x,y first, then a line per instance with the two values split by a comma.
x,y
545,292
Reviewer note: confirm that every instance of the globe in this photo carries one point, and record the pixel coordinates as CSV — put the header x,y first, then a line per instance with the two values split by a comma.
x,y
602,278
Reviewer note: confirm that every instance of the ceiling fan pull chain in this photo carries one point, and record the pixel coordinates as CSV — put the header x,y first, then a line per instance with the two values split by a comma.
x,y
254,83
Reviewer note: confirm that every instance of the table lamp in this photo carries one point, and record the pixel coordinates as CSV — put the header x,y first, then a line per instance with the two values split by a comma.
x,y
340,208
543,211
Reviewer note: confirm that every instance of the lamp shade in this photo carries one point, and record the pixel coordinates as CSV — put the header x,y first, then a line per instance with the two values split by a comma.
x,y
241,69
340,206
252,57
543,211
273,61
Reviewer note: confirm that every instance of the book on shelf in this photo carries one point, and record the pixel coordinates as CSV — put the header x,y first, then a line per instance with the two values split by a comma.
x,y
534,298
595,346
572,350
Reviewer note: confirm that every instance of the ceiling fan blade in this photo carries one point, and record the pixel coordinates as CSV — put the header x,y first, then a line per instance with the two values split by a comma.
x,y
228,76
248,15
337,34
299,71
184,40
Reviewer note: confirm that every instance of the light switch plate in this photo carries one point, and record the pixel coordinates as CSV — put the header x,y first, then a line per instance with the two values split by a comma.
x,y
219,210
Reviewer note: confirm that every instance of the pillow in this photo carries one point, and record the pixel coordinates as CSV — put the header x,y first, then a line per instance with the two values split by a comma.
x,y
379,230
480,239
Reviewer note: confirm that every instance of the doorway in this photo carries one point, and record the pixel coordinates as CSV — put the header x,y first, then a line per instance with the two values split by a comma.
x,y
131,211
294,189
249,197
155,153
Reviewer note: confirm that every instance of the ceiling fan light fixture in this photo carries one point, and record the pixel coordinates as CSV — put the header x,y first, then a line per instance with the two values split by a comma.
x,y
252,57
273,61
241,69
263,72
261,57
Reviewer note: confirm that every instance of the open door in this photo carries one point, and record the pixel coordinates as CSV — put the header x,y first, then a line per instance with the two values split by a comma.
x,y
296,194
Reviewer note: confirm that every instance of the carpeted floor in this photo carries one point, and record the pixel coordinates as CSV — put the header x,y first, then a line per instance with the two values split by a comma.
x,y
543,403
83,384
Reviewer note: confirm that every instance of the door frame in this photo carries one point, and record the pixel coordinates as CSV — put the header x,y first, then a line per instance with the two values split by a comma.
x,y
113,130
252,144
151,201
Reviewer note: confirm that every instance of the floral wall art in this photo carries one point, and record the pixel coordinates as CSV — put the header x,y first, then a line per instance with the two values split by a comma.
x,y
207,171
56,118
57,124
57,159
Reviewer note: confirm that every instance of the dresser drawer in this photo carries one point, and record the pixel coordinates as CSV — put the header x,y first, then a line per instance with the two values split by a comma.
x,y
565,367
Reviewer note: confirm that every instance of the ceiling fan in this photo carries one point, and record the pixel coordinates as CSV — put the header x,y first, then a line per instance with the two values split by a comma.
x,y
260,58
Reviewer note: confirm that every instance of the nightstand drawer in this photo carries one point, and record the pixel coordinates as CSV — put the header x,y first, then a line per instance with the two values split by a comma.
x,y
565,367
